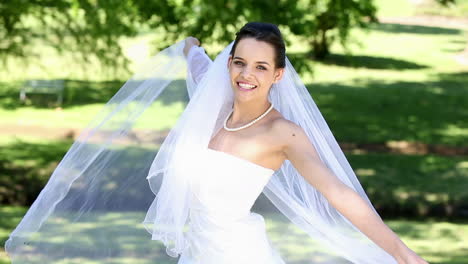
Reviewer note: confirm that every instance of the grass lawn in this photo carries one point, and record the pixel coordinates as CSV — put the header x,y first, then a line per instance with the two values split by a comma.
x,y
402,8
417,185
437,241
400,83
396,82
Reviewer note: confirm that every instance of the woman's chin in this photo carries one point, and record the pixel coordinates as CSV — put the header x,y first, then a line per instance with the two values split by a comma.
x,y
244,95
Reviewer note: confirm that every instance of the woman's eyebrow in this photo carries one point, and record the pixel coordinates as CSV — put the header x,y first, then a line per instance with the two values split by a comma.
x,y
260,62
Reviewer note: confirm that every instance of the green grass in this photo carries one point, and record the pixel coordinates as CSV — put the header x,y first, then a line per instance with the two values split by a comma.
x,y
50,64
397,82
460,9
417,185
402,8
131,238
401,83
435,240
414,185
438,242
79,116
394,8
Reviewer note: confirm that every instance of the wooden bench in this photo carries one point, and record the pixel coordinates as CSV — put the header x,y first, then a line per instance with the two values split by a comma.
x,y
43,87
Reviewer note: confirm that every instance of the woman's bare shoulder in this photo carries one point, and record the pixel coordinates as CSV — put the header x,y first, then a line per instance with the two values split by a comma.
x,y
284,129
293,139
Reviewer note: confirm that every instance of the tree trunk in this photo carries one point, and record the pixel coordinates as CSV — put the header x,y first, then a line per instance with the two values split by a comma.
x,y
320,46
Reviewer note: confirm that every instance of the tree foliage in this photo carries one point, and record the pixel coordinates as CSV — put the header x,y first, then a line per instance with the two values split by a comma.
x,y
446,2
319,22
93,27
88,27
323,22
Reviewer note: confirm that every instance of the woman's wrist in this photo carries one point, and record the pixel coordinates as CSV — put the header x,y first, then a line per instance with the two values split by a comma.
x,y
403,254
400,249
189,43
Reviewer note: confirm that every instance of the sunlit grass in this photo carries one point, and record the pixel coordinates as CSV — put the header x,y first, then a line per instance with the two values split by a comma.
x,y
158,116
437,241
394,8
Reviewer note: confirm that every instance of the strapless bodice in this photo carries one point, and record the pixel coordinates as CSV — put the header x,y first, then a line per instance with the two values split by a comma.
x,y
222,229
227,185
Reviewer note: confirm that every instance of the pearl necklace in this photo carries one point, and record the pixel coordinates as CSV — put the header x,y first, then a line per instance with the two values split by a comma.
x,y
248,124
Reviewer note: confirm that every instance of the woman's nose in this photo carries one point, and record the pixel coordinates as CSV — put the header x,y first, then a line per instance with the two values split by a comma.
x,y
245,71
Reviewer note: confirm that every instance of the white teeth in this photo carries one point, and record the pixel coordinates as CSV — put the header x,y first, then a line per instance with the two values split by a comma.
x,y
247,86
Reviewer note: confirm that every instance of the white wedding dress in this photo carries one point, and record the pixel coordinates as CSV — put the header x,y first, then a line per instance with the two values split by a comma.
x,y
222,229
223,189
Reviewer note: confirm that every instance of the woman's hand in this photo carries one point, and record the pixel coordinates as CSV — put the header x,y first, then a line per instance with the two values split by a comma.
x,y
190,42
410,258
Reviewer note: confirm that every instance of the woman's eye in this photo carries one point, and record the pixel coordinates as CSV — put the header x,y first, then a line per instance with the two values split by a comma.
x,y
238,63
261,68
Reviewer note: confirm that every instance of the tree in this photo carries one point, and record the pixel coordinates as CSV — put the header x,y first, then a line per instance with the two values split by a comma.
x,y
93,27
84,26
323,22
446,2
320,22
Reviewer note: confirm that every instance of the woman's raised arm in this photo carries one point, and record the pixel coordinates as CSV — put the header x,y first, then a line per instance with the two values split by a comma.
x,y
197,61
300,151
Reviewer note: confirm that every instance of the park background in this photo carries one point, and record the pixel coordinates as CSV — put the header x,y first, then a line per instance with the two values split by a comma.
x,y
390,77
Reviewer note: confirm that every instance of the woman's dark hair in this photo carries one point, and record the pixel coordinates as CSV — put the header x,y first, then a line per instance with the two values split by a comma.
x,y
266,32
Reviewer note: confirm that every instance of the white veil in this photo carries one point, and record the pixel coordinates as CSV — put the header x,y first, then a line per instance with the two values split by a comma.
x,y
97,203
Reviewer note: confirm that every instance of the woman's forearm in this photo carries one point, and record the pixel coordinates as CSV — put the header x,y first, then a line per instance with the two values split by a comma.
x,y
350,204
305,158
358,211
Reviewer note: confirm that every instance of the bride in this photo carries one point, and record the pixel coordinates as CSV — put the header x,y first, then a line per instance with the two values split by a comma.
x,y
250,127
256,132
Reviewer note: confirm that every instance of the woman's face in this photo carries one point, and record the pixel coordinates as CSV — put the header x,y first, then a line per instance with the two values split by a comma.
x,y
252,69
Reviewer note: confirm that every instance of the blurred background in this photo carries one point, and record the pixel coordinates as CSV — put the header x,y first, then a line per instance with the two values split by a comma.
x,y
390,77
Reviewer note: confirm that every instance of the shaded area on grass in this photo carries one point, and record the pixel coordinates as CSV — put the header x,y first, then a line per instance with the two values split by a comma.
x,y
98,209
77,93
414,29
369,111
10,216
437,241
415,185
371,62
118,232
26,167
361,111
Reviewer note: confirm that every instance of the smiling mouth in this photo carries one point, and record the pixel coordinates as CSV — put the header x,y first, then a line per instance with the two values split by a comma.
x,y
246,87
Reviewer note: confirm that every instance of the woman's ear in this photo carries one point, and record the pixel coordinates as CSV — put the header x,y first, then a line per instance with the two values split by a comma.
x,y
229,61
278,74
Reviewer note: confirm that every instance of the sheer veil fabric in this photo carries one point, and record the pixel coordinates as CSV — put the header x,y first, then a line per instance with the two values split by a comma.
x,y
127,174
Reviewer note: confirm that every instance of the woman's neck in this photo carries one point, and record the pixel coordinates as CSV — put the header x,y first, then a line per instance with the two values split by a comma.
x,y
245,112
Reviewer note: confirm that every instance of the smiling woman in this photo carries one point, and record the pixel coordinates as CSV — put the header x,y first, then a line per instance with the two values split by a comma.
x,y
265,137
251,72
250,127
